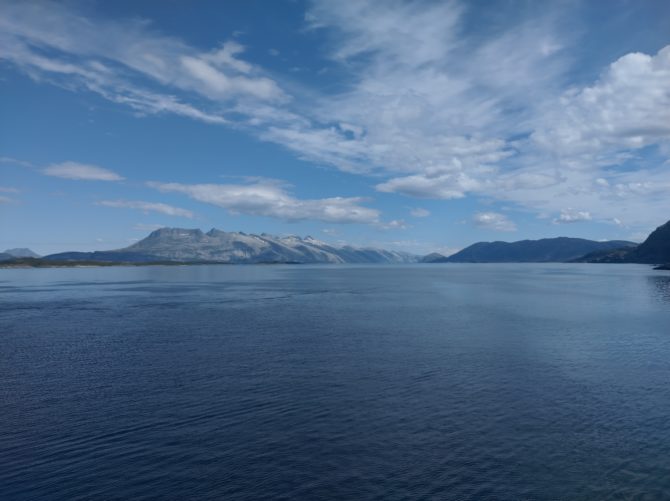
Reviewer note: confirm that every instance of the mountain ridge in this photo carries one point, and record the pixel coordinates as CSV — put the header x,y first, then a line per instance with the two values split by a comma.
x,y
194,245
545,250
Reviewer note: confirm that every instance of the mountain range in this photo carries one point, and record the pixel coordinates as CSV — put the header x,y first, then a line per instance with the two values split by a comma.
x,y
561,249
193,245
178,245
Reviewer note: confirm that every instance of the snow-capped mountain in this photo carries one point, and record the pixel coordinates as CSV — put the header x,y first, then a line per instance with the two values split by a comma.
x,y
178,244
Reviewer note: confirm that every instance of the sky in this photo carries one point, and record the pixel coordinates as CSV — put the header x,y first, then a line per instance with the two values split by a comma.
x,y
421,126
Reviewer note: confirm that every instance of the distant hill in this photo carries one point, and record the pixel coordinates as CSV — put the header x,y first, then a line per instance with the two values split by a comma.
x,y
184,245
434,257
654,250
5,257
21,252
104,256
546,250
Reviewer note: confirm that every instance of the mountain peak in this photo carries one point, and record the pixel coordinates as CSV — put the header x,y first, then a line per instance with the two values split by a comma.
x,y
434,257
21,252
180,244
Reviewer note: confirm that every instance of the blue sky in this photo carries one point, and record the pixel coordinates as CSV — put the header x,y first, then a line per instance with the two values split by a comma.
x,y
419,126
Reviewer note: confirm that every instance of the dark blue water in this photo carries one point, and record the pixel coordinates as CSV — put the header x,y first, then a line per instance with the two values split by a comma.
x,y
335,382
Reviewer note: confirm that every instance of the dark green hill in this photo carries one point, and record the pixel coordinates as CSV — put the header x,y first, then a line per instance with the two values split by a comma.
x,y
654,250
546,250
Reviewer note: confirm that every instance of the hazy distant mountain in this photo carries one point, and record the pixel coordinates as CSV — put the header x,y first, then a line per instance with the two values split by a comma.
x,y
654,250
21,252
177,244
5,257
546,250
434,257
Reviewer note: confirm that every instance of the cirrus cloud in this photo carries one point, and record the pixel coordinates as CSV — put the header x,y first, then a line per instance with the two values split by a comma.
x,y
77,171
161,208
419,212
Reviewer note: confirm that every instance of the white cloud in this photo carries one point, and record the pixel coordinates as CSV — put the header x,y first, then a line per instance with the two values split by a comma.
x,y
74,170
431,185
271,199
626,109
573,216
14,161
148,207
394,224
122,60
5,200
493,221
428,107
419,212
8,189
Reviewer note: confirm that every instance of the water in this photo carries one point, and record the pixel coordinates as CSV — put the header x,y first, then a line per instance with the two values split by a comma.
x,y
335,382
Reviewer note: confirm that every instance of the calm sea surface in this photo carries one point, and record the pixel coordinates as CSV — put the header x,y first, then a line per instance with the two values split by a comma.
x,y
335,382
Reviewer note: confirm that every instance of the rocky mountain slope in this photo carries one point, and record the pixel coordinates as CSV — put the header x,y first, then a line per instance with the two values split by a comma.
x,y
178,244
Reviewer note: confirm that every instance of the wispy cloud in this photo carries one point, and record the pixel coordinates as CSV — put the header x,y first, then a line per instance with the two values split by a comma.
x,y
15,161
394,224
147,227
77,171
161,208
271,199
419,212
493,221
115,59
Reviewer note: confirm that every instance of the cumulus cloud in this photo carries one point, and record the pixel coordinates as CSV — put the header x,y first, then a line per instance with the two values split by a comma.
x,y
273,200
74,170
627,108
575,216
493,221
161,208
